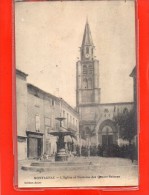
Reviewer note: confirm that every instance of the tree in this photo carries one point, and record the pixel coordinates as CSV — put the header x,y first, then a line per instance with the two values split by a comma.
x,y
127,125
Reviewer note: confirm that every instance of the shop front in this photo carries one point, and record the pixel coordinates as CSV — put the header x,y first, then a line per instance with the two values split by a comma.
x,y
34,145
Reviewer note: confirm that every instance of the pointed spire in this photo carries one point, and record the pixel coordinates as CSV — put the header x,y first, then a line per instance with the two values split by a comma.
x,y
87,38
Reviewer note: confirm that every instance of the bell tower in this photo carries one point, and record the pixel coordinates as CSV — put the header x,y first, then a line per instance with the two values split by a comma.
x,y
87,47
87,73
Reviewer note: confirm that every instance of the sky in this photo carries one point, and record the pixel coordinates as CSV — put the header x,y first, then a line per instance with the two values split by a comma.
x,y
48,36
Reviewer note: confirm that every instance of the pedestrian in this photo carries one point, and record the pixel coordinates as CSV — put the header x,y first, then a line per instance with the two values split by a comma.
x,y
131,152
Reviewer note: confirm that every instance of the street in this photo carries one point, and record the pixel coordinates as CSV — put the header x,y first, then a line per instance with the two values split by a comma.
x,y
102,172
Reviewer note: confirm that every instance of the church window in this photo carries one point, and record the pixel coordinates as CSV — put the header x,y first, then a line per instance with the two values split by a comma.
x,y
106,110
87,50
84,69
90,69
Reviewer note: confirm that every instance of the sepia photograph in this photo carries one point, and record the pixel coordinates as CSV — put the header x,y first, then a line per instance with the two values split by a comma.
x,y
76,94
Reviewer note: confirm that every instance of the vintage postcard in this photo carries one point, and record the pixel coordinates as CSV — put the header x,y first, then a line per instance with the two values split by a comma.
x,y
76,93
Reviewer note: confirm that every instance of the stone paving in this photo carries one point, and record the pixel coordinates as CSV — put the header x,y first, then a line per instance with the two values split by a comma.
x,y
104,171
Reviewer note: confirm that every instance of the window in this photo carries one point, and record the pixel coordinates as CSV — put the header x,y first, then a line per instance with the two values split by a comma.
x,y
37,123
87,50
84,69
90,69
53,102
106,110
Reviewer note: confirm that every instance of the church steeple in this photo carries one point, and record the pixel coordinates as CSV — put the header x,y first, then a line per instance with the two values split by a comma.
x,y
87,47
88,91
87,37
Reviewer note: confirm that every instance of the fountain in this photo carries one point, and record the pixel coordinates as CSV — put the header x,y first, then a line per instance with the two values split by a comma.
x,y
61,154
61,158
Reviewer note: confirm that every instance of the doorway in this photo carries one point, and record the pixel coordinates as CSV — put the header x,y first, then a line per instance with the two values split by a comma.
x,y
34,146
107,136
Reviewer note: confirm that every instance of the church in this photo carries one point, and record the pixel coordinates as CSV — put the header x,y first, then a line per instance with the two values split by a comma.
x,y
96,125
91,122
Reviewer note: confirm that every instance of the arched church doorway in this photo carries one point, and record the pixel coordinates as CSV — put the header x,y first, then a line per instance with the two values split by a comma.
x,y
107,133
107,136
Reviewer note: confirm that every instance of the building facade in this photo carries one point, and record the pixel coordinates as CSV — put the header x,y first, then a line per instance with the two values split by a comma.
x,y
42,110
96,119
37,111
21,91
